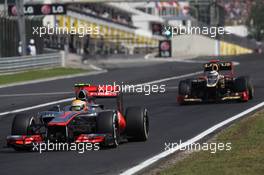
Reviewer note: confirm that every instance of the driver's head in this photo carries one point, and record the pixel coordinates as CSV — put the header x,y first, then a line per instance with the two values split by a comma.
x,y
79,105
213,74
212,78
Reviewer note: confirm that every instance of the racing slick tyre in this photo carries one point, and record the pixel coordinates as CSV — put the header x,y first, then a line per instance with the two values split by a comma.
x,y
107,122
137,120
243,84
23,124
250,88
185,88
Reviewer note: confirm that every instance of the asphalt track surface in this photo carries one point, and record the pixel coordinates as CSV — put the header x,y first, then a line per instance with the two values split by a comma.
x,y
169,122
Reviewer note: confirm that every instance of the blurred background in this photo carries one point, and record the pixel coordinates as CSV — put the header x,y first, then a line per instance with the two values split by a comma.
x,y
131,29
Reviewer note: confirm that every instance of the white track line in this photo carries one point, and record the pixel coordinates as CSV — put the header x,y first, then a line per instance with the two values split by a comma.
x,y
154,159
35,94
172,87
53,78
171,78
95,67
37,106
69,99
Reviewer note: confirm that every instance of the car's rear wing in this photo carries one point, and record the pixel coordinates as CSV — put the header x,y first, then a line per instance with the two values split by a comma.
x,y
103,91
218,66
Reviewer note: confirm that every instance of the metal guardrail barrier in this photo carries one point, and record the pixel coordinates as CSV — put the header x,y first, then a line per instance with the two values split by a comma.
x,y
23,63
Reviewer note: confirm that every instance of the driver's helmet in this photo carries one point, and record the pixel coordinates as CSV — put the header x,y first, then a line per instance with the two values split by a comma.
x,y
79,105
212,78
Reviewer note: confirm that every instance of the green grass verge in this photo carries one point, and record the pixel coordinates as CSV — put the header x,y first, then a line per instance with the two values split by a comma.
x,y
38,74
246,156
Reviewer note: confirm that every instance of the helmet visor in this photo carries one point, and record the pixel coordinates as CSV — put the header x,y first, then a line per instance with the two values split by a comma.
x,y
212,79
76,108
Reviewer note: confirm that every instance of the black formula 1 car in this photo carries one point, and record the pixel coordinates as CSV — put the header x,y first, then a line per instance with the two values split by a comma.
x,y
108,127
217,84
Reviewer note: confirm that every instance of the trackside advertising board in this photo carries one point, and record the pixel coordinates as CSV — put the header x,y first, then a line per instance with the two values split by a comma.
x,y
39,9
165,48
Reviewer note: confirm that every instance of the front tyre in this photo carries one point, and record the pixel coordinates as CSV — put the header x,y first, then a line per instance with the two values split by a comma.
x,y
137,123
24,124
184,89
242,85
250,88
107,122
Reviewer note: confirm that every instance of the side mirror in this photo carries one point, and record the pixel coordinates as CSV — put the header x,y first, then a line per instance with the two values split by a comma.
x,y
55,108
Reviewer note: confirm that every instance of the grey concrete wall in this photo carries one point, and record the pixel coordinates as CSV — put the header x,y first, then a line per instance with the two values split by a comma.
x,y
193,45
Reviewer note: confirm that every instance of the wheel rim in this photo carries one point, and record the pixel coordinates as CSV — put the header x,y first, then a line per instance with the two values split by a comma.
x,y
146,124
115,131
32,126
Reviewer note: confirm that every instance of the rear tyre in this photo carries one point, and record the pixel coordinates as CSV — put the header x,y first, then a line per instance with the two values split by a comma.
x,y
137,128
107,122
